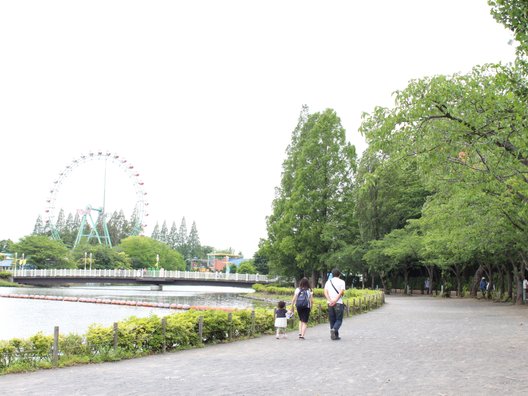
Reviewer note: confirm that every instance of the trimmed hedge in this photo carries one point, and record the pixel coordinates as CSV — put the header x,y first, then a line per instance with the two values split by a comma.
x,y
135,337
317,292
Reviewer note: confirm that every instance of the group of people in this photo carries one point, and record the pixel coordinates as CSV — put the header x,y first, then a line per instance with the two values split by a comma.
x,y
302,301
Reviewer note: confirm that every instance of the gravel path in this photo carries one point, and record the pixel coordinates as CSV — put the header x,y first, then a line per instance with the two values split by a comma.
x,y
410,346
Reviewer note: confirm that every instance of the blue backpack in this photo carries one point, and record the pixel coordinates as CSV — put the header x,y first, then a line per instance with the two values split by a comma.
x,y
303,299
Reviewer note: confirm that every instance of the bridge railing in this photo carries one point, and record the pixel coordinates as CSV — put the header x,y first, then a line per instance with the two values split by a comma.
x,y
138,273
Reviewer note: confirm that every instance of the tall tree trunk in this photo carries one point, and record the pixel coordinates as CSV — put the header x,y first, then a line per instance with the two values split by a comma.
x,y
510,285
488,269
501,281
476,281
313,279
458,275
518,273
430,272
394,279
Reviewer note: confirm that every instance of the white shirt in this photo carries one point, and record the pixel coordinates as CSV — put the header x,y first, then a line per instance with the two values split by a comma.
x,y
525,284
339,284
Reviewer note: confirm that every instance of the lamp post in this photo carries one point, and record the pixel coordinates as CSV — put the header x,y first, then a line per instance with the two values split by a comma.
x,y
85,254
90,261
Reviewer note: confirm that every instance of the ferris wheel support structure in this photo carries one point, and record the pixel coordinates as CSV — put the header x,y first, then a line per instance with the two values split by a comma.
x,y
94,233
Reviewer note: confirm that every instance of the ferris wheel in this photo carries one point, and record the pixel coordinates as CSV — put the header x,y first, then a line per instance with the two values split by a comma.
x,y
88,209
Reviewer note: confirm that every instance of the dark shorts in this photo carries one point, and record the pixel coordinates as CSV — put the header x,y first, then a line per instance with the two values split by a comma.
x,y
304,314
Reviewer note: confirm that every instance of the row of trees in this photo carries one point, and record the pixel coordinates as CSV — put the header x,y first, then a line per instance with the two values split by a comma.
x,y
442,187
119,226
133,252
175,247
188,244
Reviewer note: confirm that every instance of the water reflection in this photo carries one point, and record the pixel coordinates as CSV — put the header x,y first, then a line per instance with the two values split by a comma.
x,y
23,318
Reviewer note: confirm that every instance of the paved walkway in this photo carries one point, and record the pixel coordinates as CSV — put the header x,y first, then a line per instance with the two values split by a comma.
x,y
410,346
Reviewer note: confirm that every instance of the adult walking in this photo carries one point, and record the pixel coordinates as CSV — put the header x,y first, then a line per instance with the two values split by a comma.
x,y
303,302
334,290
483,286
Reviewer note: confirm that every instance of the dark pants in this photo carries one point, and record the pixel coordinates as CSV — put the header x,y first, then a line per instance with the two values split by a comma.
x,y
335,315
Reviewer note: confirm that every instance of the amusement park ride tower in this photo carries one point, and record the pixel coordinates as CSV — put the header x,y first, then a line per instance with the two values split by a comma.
x,y
93,233
88,229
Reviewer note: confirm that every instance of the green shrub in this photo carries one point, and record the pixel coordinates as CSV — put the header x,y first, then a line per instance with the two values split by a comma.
x,y
140,334
99,339
7,353
181,331
317,292
72,345
39,346
5,275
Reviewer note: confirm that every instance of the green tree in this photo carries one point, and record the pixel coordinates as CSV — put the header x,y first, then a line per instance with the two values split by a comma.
x,y
388,193
60,224
39,226
103,257
193,242
142,252
246,267
118,227
6,245
260,259
181,241
463,228
306,226
44,252
400,250
156,232
134,225
464,130
69,231
172,237
513,14
164,233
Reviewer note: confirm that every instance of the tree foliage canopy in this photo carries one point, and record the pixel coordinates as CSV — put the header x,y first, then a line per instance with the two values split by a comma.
x,y
143,253
310,212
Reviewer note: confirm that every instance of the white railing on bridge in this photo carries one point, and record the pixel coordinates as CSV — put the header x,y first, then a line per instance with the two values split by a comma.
x,y
137,273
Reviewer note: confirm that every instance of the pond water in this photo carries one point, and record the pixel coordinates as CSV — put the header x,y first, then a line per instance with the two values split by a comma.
x,y
22,318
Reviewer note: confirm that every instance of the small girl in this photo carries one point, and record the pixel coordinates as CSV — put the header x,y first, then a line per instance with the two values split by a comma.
x,y
280,319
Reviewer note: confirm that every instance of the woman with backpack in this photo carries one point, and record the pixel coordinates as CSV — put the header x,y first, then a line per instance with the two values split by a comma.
x,y
303,301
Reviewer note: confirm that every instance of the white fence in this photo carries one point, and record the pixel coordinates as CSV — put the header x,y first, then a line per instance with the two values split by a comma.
x,y
139,274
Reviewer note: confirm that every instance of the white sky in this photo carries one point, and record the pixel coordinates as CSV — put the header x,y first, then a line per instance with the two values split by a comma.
x,y
201,96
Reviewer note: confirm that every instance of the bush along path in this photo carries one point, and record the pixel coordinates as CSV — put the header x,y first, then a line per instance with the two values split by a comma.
x,y
136,337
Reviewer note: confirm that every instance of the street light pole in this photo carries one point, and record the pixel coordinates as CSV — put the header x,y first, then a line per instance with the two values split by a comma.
x,y
90,261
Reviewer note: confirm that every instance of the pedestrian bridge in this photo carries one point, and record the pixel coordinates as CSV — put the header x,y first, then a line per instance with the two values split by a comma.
x,y
156,277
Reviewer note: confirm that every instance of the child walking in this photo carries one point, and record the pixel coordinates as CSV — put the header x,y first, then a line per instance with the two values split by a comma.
x,y
280,320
